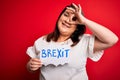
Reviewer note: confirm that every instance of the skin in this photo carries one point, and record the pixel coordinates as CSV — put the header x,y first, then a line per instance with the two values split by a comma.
x,y
104,37
64,27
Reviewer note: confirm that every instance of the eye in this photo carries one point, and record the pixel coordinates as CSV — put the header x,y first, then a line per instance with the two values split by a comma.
x,y
74,18
65,14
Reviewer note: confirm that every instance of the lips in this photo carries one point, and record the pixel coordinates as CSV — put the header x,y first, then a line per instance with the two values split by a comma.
x,y
66,25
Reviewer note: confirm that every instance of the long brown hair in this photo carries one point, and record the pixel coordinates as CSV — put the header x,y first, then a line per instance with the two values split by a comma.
x,y
80,30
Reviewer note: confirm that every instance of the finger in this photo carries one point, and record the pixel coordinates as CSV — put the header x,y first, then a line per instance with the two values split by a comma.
x,y
69,8
36,63
79,6
34,68
36,60
74,5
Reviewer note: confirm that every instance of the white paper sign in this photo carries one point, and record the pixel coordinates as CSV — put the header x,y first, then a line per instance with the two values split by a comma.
x,y
54,54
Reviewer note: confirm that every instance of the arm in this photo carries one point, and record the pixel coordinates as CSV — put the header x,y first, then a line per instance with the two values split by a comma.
x,y
104,37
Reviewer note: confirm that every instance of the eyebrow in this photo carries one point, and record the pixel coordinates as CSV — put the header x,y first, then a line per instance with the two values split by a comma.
x,y
69,12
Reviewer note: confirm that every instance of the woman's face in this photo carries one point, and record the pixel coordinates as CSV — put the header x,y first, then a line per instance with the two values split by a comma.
x,y
65,28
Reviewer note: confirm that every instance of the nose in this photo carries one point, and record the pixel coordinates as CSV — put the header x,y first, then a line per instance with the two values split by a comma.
x,y
69,19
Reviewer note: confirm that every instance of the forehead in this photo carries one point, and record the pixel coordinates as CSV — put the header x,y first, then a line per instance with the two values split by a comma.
x,y
68,11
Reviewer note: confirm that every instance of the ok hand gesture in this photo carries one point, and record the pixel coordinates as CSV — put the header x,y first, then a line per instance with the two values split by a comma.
x,y
76,9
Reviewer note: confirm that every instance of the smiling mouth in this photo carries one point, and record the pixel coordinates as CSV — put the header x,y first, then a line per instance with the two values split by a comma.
x,y
65,24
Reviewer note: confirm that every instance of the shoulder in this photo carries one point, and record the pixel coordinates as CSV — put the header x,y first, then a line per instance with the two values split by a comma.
x,y
41,39
86,37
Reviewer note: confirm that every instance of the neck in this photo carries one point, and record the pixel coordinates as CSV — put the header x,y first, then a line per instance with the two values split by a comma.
x,y
62,38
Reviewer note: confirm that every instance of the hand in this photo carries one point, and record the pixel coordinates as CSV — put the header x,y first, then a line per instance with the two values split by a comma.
x,y
78,13
34,64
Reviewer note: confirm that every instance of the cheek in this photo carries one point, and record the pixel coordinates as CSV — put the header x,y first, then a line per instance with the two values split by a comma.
x,y
62,18
60,21
73,28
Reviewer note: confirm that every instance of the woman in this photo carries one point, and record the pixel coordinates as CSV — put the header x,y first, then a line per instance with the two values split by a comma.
x,y
70,29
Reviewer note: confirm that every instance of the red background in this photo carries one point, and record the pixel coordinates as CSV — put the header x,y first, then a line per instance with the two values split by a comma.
x,y
23,21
